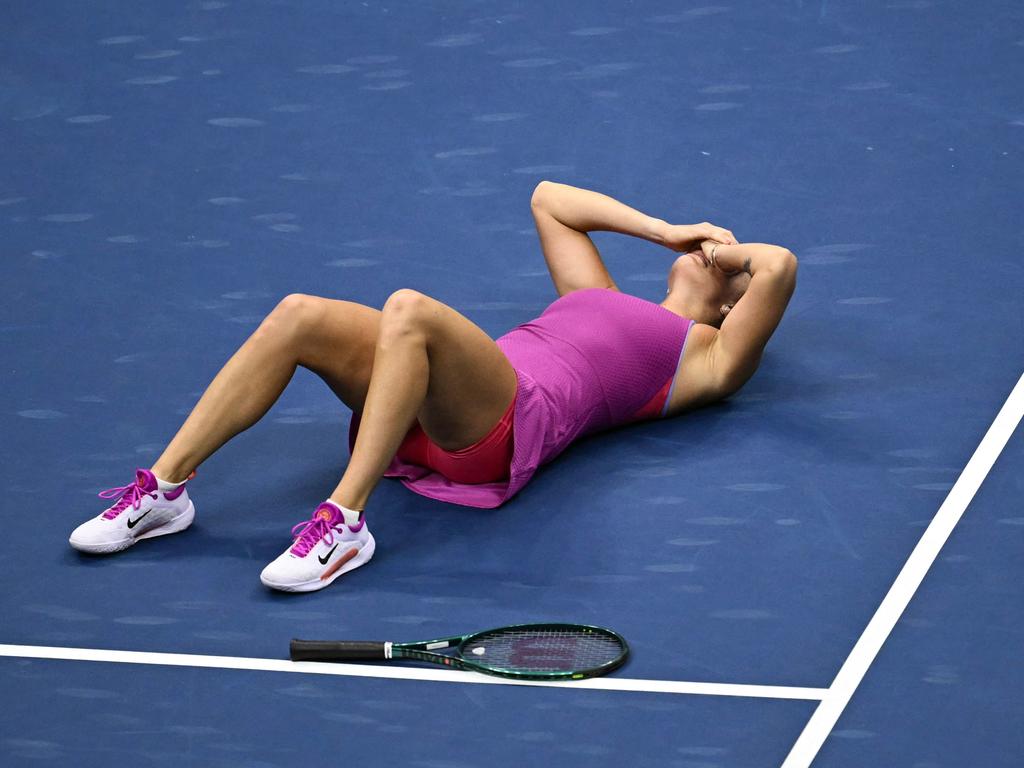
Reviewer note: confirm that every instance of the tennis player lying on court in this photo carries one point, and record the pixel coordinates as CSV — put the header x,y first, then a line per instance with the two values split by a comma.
x,y
461,417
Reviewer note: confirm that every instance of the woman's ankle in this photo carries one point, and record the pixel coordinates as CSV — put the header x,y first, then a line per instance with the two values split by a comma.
x,y
171,474
353,517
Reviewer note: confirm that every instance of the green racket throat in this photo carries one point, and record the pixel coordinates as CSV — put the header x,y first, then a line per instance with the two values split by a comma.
x,y
523,651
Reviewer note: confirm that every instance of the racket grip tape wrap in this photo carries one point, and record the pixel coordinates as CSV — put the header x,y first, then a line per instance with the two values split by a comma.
x,y
353,650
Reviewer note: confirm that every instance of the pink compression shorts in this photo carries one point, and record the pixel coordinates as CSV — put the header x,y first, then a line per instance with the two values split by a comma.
x,y
486,461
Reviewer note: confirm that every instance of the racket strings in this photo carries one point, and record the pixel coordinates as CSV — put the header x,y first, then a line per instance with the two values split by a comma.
x,y
544,650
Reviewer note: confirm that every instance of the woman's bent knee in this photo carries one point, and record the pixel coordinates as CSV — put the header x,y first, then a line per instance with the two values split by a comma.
x,y
293,313
405,301
405,309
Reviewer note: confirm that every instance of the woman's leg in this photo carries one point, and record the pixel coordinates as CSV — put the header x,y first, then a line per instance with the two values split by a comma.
x,y
430,363
334,339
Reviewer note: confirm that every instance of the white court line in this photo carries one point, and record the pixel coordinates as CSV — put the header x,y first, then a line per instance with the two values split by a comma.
x,y
863,654
403,673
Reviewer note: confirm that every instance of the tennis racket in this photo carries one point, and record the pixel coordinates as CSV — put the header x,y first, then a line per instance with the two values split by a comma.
x,y
524,651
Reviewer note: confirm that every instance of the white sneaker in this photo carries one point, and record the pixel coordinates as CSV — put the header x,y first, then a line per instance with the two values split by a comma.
x,y
141,511
324,548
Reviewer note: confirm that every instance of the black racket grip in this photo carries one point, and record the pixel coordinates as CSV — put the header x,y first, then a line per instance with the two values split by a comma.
x,y
332,650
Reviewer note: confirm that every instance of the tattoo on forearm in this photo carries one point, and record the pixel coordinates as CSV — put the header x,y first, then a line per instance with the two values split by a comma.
x,y
746,265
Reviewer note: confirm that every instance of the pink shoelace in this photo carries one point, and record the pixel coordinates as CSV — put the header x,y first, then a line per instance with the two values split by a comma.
x,y
311,531
128,494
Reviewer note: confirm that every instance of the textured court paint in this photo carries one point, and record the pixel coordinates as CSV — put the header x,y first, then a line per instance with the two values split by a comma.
x,y
407,673
398,723
941,689
909,579
667,531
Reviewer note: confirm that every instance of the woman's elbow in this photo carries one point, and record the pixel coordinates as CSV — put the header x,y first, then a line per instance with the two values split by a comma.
x,y
786,258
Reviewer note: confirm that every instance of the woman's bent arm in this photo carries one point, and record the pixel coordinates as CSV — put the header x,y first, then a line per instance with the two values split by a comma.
x,y
737,348
588,211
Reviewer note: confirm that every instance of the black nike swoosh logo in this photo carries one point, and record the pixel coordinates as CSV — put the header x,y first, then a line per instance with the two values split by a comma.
x,y
133,523
323,560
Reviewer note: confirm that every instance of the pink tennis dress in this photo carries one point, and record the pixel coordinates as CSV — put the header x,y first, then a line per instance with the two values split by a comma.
x,y
595,359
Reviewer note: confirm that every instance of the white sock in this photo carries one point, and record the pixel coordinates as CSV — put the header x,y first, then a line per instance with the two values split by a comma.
x,y
164,485
352,516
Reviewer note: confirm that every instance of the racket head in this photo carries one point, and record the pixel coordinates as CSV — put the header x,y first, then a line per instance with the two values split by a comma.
x,y
548,651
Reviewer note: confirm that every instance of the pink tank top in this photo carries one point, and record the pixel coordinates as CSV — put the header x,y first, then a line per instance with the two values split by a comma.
x,y
603,358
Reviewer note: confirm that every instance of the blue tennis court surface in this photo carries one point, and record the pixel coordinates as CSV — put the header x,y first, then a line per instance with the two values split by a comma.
x,y
171,171
942,687
162,716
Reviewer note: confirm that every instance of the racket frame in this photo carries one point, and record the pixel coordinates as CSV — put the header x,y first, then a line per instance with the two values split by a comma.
x,y
425,650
